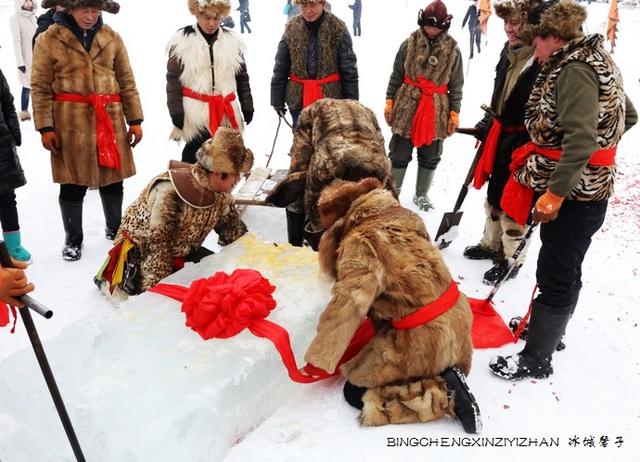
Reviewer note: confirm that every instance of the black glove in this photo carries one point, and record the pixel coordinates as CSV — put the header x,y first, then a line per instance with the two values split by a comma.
x,y
281,111
248,116
178,120
22,69
483,127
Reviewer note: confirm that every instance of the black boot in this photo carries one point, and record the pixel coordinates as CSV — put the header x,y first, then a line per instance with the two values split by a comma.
x,y
498,271
353,394
112,208
514,323
72,221
479,252
295,228
313,238
465,405
534,361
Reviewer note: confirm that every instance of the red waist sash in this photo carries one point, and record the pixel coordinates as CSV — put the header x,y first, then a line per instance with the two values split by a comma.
x,y
312,88
219,106
106,143
484,168
424,121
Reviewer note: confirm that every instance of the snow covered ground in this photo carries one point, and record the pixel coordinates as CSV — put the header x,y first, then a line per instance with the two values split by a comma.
x,y
93,347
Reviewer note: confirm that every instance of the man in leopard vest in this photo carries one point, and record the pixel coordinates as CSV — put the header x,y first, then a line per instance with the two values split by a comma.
x,y
173,215
423,98
516,72
315,60
206,76
575,117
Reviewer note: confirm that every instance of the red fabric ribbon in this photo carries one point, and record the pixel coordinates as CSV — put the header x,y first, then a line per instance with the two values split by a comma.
x,y
431,310
489,148
312,88
423,129
4,316
219,106
517,199
108,153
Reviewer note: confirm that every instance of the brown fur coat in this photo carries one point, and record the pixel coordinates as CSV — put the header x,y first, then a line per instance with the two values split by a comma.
x,y
386,268
61,65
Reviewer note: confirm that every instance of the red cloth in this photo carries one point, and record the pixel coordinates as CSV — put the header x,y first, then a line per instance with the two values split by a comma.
x,y
488,329
312,88
4,316
431,310
517,199
423,129
219,106
108,153
484,168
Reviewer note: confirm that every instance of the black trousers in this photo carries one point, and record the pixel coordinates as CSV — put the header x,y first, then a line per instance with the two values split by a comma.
x,y
76,192
191,147
401,152
9,212
565,242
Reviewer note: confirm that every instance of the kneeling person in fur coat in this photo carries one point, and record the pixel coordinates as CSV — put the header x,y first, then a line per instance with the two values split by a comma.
x,y
173,215
387,269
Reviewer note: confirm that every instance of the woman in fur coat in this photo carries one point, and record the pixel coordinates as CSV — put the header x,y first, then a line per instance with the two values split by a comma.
x,y
178,209
387,269
84,96
206,74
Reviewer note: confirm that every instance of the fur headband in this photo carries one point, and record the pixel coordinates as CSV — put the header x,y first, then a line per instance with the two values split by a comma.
x,y
216,8
515,11
561,18
105,5
225,153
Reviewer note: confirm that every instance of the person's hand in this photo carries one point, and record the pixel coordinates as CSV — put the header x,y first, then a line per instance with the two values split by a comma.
x,y
454,122
14,283
388,112
134,135
281,111
248,117
22,69
547,207
50,141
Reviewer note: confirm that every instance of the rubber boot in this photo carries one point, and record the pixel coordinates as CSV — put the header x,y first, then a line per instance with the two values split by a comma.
x,y
423,184
546,328
295,228
313,238
14,245
72,221
112,208
398,175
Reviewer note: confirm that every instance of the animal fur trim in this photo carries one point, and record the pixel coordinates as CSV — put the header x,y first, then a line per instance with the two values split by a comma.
x,y
515,11
225,153
105,5
302,2
336,199
216,8
561,18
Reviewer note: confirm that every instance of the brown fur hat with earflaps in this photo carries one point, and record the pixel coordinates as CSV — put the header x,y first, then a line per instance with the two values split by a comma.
x,y
216,8
225,153
105,5
515,11
300,2
560,18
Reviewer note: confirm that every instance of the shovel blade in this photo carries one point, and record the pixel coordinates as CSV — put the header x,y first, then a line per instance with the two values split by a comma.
x,y
449,220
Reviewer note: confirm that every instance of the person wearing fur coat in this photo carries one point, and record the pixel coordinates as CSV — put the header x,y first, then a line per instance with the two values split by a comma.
x,y
23,25
334,138
169,221
423,98
387,269
206,76
84,96
576,115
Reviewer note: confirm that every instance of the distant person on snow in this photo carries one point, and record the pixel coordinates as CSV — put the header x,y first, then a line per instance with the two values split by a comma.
x,y
166,225
11,174
356,6
472,20
206,76
84,95
423,98
245,16
23,27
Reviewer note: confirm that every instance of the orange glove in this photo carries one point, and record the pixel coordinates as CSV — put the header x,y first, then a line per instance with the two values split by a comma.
x,y
454,122
547,207
388,112
50,141
134,135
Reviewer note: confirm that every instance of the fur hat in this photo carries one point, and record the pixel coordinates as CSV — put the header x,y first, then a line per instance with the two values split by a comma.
x,y
336,199
435,14
561,18
515,11
301,2
225,153
217,8
105,5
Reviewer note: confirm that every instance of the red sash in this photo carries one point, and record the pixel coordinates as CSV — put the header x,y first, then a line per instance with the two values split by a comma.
x,y
517,199
108,154
484,168
424,121
312,88
219,106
